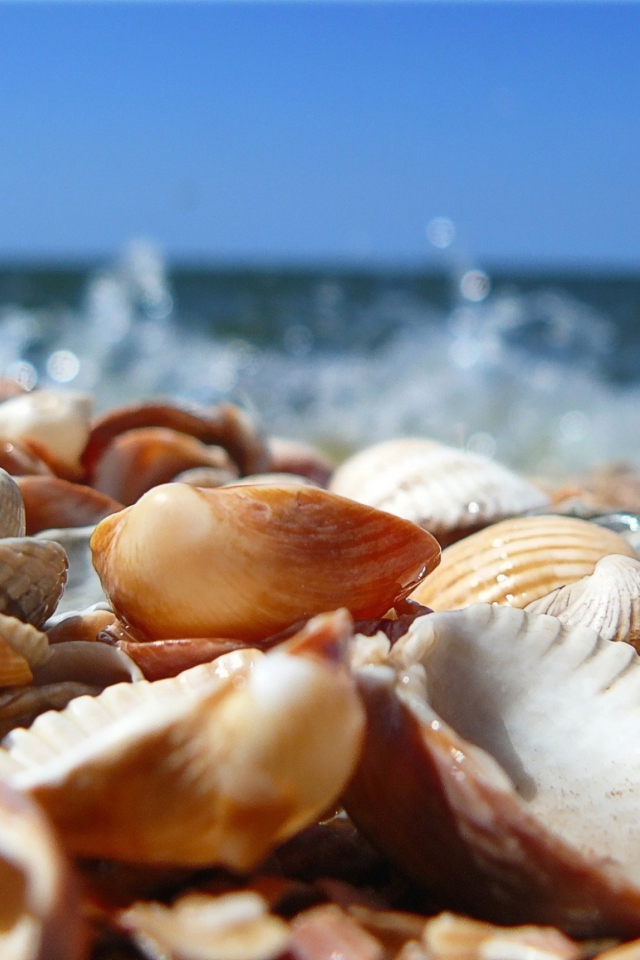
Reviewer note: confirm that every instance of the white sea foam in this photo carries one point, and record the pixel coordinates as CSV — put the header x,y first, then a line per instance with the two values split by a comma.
x,y
465,379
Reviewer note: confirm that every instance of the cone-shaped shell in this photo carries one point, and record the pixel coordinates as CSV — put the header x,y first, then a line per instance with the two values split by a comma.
x,y
32,577
57,421
512,788
445,490
39,905
608,601
12,515
215,766
518,561
247,561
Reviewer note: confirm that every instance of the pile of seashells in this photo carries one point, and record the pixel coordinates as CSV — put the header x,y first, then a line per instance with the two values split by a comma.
x,y
257,707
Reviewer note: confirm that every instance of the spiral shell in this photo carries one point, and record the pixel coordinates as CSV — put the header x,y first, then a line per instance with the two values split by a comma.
x,y
518,561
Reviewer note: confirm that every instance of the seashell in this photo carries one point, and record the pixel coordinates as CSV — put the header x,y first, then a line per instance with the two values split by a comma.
x,y
83,587
451,937
137,460
95,664
244,562
447,491
233,926
291,456
40,910
327,931
55,422
225,425
19,460
244,752
511,787
608,600
14,668
626,524
159,659
9,388
79,624
206,477
22,648
51,502
274,479
20,706
12,517
518,561
32,577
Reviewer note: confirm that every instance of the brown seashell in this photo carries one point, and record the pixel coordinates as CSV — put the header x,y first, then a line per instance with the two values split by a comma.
x,y
81,625
20,707
51,502
249,749
449,492
608,600
518,561
233,926
14,668
32,577
225,425
12,518
19,460
243,562
159,659
451,937
54,423
291,456
40,906
95,664
485,789
137,460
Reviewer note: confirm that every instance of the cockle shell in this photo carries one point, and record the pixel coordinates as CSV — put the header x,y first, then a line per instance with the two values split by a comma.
x,y
244,562
56,421
447,491
518,561
12,515
39,904
608,600
233,926
82,588
511,787
243,753
54,503
22,647
32,577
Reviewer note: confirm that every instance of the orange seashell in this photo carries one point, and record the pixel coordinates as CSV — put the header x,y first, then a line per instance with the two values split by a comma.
x,y
518,561
51,502
244,562
14,668
19,460
159,659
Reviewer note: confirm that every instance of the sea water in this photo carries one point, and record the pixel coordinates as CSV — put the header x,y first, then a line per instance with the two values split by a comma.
x,y
542,374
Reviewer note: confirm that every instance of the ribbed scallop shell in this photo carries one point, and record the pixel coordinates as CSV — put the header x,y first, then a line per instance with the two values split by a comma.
x,y
517,561
12,515
214,766
244,562
608,600
444,490
33,574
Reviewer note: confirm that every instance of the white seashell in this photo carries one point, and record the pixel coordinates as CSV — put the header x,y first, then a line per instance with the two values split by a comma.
x,y
56,420
440,488
12,516
513,787
608,601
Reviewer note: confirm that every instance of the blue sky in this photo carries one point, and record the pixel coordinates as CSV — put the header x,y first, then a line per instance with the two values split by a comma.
x,y
321,131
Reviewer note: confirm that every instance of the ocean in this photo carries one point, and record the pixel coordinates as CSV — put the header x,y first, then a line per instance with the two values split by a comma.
x,y
540,370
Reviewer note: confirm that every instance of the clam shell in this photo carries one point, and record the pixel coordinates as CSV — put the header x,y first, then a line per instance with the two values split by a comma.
x,y
57,421
511,789
244,752
608,600
12,515
518,561
233,926
18,459
244,562
446,491
51,503
33,574
40,908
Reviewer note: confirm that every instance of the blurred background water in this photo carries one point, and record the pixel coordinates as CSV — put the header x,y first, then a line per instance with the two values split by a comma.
x,y
539,370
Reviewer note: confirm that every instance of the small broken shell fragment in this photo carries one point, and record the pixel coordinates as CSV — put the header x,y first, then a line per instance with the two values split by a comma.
x,y
484,787
449,492
233,926
452,937
33,573
56,421
244,562
51,503
518,561
244,752
39,905
608,600
12,514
